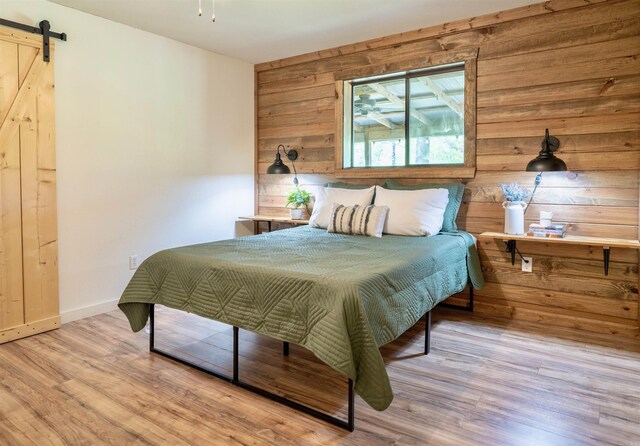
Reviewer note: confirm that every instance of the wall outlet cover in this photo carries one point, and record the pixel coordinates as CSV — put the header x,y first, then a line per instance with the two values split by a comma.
x,y
527,264
133,262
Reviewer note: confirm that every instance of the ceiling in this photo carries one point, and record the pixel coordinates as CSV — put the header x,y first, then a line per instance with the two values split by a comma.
x,y
263,30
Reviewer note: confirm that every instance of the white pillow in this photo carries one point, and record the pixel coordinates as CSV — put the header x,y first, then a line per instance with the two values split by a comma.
x,y
328,195
413,212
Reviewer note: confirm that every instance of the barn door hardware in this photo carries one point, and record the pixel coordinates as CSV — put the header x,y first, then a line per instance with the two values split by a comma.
x,y
44,30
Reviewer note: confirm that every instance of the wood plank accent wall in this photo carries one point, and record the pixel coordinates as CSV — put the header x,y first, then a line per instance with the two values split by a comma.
x,y
570,65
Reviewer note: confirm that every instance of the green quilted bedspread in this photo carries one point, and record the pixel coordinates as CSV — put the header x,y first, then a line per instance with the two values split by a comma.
x,y
340,296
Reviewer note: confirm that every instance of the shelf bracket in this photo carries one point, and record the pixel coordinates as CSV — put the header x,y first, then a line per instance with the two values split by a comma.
x,y
606,252
511,248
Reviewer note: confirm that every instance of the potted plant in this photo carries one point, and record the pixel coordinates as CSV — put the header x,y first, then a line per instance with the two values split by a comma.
x,y
298,197
514,207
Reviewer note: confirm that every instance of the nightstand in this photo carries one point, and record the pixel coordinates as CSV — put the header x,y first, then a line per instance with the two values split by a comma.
x,y
269,219
606,243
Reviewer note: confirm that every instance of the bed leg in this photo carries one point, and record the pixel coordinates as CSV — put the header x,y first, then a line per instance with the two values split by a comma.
x,y
151,328
427,332
285,349
471,298
235,355
351,423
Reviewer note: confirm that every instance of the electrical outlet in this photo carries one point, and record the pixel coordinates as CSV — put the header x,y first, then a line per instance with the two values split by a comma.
x,y
527,264
133,262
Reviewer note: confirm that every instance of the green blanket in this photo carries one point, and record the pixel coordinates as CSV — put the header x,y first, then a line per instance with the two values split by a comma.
x,y
340,296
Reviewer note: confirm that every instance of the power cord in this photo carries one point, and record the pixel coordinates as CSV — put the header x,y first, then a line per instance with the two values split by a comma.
x,y
536,183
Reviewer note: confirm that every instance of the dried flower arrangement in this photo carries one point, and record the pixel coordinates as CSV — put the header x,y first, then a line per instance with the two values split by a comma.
x,y
513,192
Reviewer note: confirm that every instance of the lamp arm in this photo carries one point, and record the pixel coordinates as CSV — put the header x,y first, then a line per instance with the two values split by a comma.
x,y
536,183
546,141
292,155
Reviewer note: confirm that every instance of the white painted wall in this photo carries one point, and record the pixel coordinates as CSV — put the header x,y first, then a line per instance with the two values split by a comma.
x,y
154,148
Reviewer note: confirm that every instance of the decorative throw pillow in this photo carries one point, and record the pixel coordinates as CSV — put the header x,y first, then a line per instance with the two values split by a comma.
x,y
326,196
413,212
455,199
358,220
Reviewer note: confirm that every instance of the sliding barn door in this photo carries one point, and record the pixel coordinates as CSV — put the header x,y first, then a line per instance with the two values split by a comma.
x,y
28,230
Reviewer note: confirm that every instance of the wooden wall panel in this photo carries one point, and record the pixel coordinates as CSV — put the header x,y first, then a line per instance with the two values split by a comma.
x,y
556,94
572,66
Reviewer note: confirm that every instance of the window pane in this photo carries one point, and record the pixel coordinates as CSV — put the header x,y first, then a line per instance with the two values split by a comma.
x,y
378,123
437,119
387,153
358,155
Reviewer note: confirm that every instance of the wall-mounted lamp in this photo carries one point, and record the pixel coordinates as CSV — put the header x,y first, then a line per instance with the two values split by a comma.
x,y
546,161
279,167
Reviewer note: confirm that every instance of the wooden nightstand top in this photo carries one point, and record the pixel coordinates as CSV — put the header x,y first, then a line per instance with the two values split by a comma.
x,y
276,218
568,239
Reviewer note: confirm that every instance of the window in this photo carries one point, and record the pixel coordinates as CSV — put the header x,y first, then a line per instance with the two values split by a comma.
x,y
415,123
410,119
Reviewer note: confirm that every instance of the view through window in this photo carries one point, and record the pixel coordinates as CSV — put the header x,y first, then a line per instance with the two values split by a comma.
x,y
406,119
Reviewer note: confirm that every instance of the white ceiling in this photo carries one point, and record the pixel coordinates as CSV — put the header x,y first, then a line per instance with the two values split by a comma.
x,y
263,30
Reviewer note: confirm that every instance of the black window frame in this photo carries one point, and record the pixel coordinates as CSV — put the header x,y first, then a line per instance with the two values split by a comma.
x,y
407,76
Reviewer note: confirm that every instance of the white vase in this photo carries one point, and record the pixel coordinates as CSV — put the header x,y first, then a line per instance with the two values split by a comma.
x,y
296,214
514,217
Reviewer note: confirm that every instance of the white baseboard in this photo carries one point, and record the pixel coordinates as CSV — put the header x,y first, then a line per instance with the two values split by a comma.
x,y
88,311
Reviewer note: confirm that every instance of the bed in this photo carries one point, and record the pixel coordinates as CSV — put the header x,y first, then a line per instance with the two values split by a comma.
x,y
340,296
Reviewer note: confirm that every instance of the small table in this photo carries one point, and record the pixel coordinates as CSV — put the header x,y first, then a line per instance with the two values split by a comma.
x,y
606,243
278,219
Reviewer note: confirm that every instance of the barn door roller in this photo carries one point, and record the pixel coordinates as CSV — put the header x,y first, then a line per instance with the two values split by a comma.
x,y
44,30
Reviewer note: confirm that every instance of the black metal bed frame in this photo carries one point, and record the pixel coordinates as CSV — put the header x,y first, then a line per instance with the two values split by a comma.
x,y
468,307
349,424
235,380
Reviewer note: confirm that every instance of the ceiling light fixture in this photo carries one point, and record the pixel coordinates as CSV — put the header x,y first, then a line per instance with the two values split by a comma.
x,y
213,9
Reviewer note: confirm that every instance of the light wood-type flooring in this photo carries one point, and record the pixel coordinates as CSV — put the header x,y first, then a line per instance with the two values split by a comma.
x,y
484,383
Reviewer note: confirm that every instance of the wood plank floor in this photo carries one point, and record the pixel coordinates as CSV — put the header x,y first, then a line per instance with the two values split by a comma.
x,y
485,383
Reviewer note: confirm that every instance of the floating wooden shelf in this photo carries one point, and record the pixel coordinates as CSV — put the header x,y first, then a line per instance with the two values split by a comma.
x,y
606,243
274,218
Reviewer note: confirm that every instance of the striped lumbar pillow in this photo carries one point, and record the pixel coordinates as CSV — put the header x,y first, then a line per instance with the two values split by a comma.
x,y
358,220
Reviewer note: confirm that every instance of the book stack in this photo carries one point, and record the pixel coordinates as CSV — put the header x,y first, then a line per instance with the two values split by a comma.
x,y
551,231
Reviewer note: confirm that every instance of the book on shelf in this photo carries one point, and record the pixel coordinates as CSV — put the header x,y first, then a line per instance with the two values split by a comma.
x,y
551,231
545,234
538,226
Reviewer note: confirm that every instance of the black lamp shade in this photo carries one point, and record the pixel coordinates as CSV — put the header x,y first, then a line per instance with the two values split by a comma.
x,y
546,161
278,166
